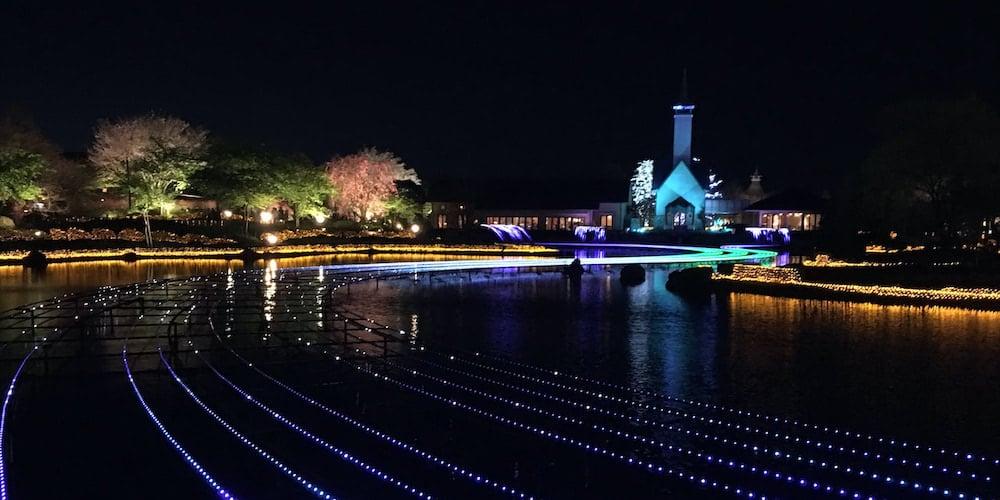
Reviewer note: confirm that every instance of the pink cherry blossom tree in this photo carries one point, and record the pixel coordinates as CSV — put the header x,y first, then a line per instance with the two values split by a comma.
x,y
365,181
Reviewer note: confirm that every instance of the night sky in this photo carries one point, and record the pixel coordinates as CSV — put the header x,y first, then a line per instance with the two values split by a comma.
x,y
516,90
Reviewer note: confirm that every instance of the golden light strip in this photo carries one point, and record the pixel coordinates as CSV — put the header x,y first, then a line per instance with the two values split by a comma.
x,y
791,277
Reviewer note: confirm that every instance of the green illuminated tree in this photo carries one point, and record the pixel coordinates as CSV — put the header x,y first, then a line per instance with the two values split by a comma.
x,y
303,186
19,172
62,183
239,178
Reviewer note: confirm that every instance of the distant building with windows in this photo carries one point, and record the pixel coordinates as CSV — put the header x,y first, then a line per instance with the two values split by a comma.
x,y
606,215
448,214
795,210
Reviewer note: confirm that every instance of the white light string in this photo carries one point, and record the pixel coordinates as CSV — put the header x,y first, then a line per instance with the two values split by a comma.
x,y
219,490
271,459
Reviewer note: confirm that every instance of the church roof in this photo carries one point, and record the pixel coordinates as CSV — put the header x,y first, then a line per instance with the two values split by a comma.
x,y
681,183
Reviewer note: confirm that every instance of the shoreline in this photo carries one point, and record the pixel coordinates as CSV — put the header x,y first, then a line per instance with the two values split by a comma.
x,y
781,284
131,254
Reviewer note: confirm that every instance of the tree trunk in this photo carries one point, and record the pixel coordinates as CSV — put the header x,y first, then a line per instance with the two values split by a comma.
x,y
128,178
149,231
246,220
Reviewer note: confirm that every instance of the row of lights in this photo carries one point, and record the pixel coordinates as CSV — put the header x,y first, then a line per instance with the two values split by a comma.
x,y
786,437
746,413
204,474
706,436
516,404
867,454
760,274
479,478
288,471
520,405
314,438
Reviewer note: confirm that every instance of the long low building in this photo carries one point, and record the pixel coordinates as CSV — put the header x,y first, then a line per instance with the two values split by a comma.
x,y
458,215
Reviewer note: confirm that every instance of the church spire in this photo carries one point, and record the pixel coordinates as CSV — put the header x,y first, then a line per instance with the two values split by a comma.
x,y
683,113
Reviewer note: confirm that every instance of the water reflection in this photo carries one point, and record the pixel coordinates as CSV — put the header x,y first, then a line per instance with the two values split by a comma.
x,y
21,285
927,372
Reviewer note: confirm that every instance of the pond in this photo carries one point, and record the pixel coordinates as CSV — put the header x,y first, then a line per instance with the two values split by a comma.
x,y
556,387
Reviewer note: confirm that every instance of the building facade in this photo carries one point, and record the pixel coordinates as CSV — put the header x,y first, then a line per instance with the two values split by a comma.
x,y
448,214
680,198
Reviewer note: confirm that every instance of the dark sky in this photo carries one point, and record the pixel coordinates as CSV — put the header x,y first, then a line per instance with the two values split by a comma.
x,y
510,89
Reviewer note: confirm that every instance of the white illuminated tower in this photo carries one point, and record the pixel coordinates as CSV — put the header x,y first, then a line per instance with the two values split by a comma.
x,y
683,114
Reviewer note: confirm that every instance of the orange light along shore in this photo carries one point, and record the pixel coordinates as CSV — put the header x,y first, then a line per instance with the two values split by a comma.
x,y
264,252
787,282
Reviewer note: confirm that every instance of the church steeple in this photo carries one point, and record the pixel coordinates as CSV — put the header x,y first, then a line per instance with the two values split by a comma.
x,y
683,114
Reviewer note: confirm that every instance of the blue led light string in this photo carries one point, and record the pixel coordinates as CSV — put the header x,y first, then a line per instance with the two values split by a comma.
x,y
3,421
621,457
917,464
286,308
876,456
707,457
818,445
340,453
288,471
672,472
301,431
434,460
747,413
888,479
907,445
36,322
219,490
884,479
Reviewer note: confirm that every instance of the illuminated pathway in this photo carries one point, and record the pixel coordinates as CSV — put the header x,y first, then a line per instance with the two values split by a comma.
x,y
263,384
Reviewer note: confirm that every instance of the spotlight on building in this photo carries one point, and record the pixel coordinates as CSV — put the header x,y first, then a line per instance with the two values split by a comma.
x,y
266,217
270,238
415,228
226,214
319,218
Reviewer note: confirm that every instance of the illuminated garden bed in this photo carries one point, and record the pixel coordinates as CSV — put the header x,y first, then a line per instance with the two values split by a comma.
x,y
788,282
